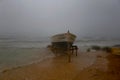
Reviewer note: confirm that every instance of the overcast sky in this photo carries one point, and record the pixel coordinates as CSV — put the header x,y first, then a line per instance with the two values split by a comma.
x,y
48,17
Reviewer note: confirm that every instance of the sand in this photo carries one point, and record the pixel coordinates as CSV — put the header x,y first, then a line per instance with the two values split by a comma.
x,y
86,66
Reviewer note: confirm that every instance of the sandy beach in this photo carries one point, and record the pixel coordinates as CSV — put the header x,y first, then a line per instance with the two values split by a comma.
x,y
86,66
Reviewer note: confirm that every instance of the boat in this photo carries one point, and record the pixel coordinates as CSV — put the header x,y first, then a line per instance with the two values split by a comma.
x,y
63,41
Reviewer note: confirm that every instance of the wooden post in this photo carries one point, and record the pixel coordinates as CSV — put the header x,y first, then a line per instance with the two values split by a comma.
x,y
69,57
76,52
69,53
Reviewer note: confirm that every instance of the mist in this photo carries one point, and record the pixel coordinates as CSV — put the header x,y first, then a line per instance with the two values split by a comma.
x,y
44,18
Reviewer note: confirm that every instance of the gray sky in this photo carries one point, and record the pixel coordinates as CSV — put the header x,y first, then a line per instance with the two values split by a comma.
x,y
48,17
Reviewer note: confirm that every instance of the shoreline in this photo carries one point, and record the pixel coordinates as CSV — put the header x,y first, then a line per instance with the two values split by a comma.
x,y
56,68
23,65
96,65
27,57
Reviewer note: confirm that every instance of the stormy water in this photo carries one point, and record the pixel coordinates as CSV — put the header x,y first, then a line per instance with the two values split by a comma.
x,y
18,52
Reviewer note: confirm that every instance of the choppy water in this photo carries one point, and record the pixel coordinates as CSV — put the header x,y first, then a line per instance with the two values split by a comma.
x,y
21,52
15,53
83,45
14,57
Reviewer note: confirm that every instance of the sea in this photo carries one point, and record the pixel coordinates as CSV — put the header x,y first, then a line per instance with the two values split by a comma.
x,y
16,52
20,52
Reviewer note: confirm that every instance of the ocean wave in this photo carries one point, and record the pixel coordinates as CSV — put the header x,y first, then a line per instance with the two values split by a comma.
x,y
33,58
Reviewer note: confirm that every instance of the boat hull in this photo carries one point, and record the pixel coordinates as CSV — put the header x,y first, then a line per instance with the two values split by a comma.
x,y
62,41
65,37
61,46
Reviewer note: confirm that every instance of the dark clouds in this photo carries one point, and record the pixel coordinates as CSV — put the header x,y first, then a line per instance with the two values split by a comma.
x,y
47,17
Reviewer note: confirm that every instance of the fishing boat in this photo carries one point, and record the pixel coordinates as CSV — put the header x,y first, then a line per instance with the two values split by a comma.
x,y
63,41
